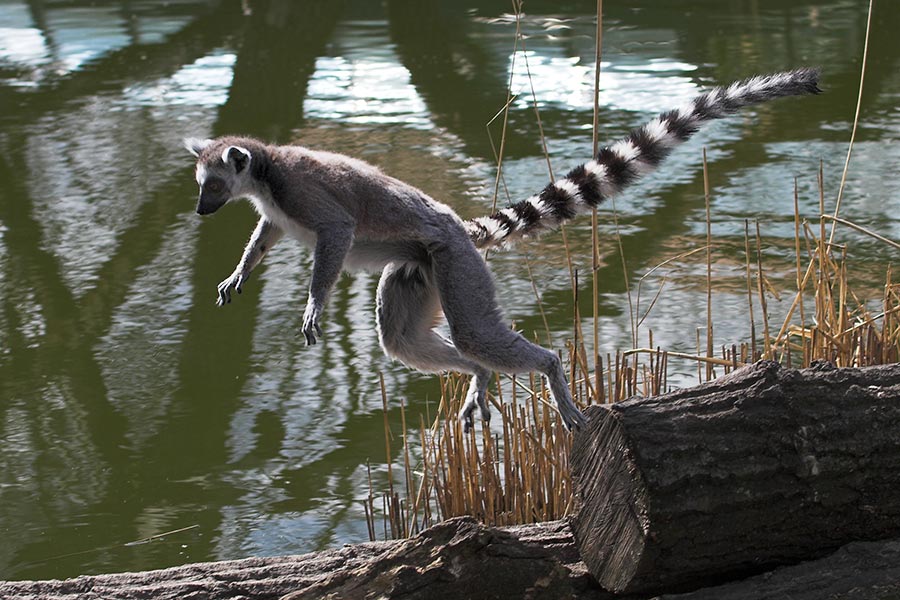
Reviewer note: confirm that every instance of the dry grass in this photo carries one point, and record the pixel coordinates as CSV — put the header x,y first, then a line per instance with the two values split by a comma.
x,y
518,472
515,472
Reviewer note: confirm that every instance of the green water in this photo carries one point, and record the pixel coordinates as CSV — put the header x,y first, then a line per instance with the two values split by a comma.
x,y
131,406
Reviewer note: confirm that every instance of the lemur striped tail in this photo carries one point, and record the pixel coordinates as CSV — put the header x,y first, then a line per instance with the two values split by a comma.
x,y
621,163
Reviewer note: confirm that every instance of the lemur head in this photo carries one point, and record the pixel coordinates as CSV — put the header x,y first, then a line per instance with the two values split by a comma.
x,y
222,172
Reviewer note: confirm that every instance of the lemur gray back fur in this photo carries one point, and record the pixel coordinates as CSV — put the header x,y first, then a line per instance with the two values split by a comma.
x,y
355,216
624,161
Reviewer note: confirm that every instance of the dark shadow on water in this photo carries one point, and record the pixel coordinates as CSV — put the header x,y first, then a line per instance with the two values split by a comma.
x,y
464,84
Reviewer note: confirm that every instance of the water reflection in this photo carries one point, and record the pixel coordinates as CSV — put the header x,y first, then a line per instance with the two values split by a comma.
x,y
132,406
205,82
150,324
364,82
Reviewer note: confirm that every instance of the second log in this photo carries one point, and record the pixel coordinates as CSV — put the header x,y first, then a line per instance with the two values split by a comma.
x,y
763,467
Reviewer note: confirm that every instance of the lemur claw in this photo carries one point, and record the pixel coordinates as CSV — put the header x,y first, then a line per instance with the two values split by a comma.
x,y
312,335
311,329
573,419
224,296
234,281
465,417
467,414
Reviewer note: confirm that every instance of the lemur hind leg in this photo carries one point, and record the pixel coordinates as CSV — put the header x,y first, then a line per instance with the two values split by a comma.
x,y
407,310
477,326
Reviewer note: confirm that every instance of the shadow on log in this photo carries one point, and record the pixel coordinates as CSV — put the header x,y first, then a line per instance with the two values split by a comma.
x,y
858,571
761,468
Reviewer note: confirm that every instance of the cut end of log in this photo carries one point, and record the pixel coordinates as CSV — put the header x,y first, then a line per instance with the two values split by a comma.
x,y
764,467
608,475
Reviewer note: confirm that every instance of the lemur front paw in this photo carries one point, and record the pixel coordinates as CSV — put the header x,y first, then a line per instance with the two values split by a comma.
x,y
572,417
234,281
311,329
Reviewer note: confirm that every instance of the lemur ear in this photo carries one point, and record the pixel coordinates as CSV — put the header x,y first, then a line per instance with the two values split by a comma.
x,y
236,156
195,145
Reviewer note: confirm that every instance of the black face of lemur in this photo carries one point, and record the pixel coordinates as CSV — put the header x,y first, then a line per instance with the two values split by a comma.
x,y
213,194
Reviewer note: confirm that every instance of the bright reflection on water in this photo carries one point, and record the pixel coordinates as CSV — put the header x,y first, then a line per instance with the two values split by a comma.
x,y
364,82
130,405
569,84
204,82
20,41
364,91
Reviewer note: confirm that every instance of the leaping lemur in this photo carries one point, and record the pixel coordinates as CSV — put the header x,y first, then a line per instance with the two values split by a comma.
x,y
356,217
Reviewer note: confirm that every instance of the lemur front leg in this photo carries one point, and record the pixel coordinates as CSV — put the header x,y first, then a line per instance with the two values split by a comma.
x,y
332,245
264,237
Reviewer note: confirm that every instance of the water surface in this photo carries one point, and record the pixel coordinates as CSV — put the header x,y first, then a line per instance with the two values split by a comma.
x,y
131,406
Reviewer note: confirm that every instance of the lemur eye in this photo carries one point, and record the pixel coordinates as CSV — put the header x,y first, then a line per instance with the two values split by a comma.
x,y
214,186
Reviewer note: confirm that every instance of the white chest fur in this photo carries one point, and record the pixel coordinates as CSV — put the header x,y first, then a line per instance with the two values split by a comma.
x,y
266,207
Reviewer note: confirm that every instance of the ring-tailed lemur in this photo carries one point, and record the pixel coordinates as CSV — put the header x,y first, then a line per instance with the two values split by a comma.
x,y
356,217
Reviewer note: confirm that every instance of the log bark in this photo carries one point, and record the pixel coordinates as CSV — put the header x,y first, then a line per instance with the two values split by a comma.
x,y
463,559
458,558
858,571
761,468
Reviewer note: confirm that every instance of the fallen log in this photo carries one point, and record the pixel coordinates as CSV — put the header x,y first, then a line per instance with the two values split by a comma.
x,y
858,571
455,559
461,559
761,468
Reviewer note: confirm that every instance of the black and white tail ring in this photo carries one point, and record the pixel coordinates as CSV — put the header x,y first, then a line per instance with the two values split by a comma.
x,y
624,161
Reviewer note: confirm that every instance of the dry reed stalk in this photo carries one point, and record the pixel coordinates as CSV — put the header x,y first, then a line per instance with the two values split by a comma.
x,y
407,473
537,298
577,337
763,306
699,363
595,233
517,5
800,280
862,79
369,505
505,112
862,229
387,431
749,288
709,320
